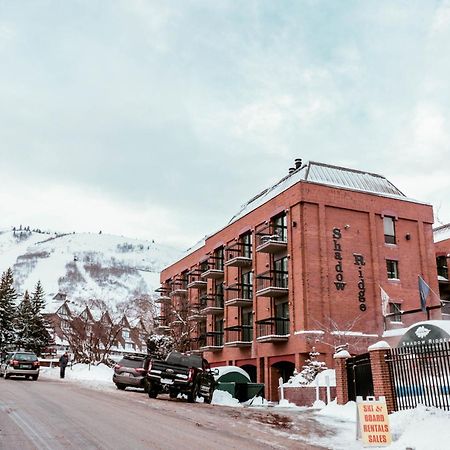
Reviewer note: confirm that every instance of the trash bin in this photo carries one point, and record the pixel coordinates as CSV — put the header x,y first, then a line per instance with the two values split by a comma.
x,y
234,380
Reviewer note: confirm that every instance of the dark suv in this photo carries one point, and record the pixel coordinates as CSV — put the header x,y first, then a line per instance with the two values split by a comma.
x,y
131,370
24,364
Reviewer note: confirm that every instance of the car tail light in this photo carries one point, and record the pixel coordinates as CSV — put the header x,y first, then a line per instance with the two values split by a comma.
x,y
14,362
117,367
36,363
191,375
140,370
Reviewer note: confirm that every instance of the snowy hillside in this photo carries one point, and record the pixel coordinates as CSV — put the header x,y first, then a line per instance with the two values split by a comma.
x,y
84,266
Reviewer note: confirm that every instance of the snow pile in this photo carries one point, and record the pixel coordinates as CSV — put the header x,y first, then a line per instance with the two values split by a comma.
x,y
223,398
283,403
422,428
256,401
97,377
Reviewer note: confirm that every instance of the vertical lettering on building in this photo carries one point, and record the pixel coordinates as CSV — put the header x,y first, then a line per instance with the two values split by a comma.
x,y
360,263
337,250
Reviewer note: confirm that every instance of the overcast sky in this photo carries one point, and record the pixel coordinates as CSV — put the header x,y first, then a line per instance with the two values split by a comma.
x,y
158,119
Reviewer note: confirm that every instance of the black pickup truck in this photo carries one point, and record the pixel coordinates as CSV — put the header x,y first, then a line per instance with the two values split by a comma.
x,y
181,374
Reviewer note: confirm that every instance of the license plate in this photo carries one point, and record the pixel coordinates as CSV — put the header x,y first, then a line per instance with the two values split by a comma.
x,y
166,381
125,374
24,366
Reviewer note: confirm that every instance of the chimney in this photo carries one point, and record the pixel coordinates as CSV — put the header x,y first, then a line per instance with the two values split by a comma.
x,y
291,170
298,163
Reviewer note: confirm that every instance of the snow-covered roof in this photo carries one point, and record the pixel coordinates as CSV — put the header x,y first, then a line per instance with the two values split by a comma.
x,y
441,233
335,176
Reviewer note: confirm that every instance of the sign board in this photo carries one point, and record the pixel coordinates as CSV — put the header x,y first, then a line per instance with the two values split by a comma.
x,y
372,422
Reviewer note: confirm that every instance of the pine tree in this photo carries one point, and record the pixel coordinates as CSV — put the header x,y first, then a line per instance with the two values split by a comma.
x,y
23,324
39,332
8,296
37,299
312,366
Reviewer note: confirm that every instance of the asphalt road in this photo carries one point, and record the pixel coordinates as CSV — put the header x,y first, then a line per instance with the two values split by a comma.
x,y
56,414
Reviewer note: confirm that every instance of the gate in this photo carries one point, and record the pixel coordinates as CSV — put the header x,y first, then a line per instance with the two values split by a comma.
x,y
420,374
359,376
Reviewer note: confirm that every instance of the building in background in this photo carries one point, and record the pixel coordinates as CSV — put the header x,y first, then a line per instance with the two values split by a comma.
x,y
327,257
442,248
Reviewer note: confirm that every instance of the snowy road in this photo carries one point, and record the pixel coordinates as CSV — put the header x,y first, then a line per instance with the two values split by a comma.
x,y
54,414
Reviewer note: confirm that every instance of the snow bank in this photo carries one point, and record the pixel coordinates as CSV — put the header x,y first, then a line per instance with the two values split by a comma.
x,y
345,412
223,398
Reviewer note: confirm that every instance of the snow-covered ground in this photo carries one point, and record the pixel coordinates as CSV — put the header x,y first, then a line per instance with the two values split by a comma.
x,y
422,428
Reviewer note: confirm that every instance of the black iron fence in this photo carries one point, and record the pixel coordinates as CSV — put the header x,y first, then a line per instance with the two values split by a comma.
x,y
214,339
420,374
272,278
239,333
359,377
272,326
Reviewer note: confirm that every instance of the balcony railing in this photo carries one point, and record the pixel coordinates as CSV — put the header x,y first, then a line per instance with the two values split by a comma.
x,y
196,312
195,281
273,283
271,238
239,336
161,323
213,268
163,298
214,341
273,329
197,343
238,255
239,294
213,304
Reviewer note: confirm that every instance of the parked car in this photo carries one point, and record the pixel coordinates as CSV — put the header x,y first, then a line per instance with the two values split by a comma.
x,y
24,364
131,371
181,374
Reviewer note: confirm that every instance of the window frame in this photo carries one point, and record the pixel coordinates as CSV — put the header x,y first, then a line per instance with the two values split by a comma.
x,y
389,235
395,272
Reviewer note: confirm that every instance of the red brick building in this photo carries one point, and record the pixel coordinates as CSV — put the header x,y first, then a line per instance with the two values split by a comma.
x,y
442,249
301,265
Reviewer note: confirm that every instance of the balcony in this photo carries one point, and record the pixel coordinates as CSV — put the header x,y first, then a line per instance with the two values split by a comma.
x,y
213,304
273,283
197,284
239,336
214,341
196,313
238,255
196,344
271,239
213,268
163,299
161,323
273,329
239,294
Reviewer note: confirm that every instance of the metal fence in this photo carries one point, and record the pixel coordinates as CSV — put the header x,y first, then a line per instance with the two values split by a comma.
x,y
420,374
359,376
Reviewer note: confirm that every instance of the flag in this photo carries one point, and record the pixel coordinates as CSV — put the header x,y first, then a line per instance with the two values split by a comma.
x,y
384,302
424,290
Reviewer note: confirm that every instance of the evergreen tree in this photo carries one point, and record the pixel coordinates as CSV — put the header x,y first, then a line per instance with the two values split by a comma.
x,y
37,299
39,332
23,324
312,366
8,296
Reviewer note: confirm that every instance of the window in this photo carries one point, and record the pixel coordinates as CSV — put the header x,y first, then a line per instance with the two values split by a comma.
x,y
442,268
281,272
280,227
246,240
282,318
247,285
389,230
396,310
218,258
125,334
392,269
